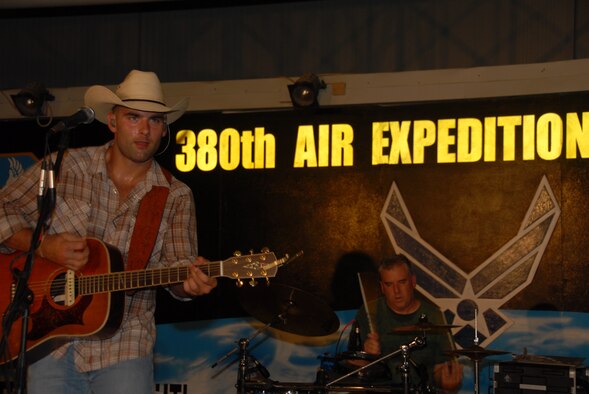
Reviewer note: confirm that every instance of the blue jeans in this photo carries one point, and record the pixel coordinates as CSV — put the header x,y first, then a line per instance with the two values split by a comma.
x,y
57,376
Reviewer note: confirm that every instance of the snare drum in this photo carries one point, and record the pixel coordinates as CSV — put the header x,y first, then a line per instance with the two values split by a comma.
x,y
350,361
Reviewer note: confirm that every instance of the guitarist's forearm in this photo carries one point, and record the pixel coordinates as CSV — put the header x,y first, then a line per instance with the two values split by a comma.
x,y
66,249
197,283
21,240
178,292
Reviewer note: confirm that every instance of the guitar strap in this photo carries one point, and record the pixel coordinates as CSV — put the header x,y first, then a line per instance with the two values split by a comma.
x,y
147,224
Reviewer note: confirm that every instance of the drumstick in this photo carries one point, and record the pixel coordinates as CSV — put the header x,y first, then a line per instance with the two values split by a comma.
x,y
370,325
476,327
450,337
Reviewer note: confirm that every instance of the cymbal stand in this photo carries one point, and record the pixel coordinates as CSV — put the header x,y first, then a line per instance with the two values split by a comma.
x,y
242,369
242,345
247,340
404,350
477,365
477,383
405,368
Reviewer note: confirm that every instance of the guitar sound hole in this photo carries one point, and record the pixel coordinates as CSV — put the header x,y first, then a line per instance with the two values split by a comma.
x,y
57,292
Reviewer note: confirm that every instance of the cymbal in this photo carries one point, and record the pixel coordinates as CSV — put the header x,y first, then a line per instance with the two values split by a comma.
x,y
423,327
289,309
475,352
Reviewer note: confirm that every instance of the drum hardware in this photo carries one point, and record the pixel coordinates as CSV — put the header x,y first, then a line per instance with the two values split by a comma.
x,y
404,350
245,360
242,370
476,354
239,343
285,308
298,312
313,388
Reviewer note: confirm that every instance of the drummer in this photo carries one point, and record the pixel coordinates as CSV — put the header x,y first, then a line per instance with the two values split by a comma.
x,y
399,306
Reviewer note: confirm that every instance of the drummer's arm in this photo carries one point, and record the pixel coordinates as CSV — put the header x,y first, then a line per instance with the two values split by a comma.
x,y
448,375
372,344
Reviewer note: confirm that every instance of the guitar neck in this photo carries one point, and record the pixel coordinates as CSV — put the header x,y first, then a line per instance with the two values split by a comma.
x,y
139,279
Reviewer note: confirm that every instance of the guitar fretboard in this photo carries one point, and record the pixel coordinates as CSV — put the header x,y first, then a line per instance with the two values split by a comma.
x,y
130,280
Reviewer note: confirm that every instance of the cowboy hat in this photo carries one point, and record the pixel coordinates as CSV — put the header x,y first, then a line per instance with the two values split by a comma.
x,y
141,90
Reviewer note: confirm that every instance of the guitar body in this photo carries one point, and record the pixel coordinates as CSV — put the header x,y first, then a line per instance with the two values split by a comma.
x,y
52,322
90,303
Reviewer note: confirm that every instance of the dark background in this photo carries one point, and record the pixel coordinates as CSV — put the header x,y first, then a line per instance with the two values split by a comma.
x,y
234,40
467,211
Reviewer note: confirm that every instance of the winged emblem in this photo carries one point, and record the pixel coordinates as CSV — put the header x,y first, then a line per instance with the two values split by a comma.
x,y
15,168
473,300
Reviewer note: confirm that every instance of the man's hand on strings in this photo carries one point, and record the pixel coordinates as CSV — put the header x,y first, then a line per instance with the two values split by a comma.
x,y
66,249
198,283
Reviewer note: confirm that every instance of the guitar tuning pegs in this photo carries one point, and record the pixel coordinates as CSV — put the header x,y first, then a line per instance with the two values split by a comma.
x,y
239,283
267,281
265,249
253,282
237,253
251,251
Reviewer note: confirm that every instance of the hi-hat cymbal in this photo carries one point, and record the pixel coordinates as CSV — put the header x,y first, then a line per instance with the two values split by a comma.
x,y
289,309
475,352
422,327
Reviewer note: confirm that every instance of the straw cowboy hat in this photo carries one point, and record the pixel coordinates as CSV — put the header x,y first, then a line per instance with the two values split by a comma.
x,y
141,90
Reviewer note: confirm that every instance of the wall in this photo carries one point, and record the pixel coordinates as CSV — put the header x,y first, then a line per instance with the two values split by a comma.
x,y
190,43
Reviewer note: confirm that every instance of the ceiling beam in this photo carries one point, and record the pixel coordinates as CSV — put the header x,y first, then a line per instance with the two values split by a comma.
x,y
354,89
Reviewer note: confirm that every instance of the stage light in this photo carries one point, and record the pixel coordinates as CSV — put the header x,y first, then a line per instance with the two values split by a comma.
x,y
32,100
304,92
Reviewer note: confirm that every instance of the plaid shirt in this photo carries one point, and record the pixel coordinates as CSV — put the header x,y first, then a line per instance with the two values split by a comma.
x,y
88,205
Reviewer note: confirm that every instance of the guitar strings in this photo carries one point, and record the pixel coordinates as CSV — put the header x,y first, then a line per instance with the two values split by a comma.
x,y
124,280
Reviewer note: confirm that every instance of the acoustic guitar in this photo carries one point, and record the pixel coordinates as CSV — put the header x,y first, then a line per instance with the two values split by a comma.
x,y
90,302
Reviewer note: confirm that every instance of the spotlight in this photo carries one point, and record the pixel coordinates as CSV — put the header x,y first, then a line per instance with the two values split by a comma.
x,y
32,99
304,92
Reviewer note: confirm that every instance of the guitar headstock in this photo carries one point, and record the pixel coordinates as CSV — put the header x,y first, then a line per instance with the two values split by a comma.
x,y
251,266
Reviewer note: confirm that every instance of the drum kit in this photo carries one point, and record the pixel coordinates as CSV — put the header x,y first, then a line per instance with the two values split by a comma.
x,y
296,311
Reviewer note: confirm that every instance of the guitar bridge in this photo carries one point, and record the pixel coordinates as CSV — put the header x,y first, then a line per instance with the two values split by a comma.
x,y
70,288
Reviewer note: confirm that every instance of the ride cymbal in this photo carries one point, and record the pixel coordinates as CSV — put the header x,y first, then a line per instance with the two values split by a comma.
x,y
289,309
423,327
475,352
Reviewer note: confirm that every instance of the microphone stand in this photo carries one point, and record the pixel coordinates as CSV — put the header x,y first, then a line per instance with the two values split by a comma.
x,y
23,296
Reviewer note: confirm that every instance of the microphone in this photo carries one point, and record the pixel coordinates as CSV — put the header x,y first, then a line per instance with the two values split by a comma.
x,y
355,339
41,191
50,181
84,115
50,189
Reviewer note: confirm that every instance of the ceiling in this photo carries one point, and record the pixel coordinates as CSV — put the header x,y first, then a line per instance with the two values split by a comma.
x,y
44,4
47,8
22,4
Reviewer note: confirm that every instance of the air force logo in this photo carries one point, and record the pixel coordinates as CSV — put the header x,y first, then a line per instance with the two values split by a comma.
x,y
482,292
12,165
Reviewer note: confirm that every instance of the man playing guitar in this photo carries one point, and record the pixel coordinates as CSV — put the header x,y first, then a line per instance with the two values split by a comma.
x,y
98,194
